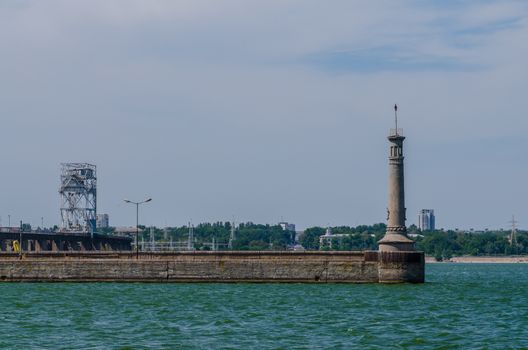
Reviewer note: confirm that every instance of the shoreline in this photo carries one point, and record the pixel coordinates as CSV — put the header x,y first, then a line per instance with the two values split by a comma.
x,y
481,260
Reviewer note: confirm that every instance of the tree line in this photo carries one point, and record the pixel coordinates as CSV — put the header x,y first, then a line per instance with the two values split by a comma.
x,y
446,244
250,236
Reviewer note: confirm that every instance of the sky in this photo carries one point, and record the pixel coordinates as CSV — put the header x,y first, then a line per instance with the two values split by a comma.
x,y
266,110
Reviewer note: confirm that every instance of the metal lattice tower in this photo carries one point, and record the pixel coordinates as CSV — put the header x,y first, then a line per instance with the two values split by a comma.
x,y
231,236
190,240
152,239
513,234
78,192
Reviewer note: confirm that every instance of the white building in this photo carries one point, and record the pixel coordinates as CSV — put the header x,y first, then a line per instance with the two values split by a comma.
x,y
328,238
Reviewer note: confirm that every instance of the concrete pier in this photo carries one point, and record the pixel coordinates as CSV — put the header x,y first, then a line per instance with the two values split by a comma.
x,y
232,266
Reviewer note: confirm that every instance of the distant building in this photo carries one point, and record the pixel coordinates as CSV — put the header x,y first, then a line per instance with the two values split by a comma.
x,y
327,240
102,221
426,220
287,227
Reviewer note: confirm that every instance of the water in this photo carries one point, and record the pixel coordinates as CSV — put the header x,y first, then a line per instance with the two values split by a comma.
x,y
462,306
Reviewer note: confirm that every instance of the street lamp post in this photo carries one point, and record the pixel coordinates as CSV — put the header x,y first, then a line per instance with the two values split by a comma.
x,y
137,221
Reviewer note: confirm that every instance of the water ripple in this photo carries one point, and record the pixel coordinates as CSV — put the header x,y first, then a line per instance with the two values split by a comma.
x,y
461,306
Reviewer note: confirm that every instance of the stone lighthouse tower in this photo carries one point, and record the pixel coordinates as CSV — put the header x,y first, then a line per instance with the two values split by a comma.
x,y
395,238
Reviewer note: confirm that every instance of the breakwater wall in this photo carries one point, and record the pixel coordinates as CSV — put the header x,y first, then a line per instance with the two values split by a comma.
x,y
228,266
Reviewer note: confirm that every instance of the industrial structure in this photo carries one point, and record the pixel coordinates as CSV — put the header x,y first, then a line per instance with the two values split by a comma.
x,y
18,241
78,210
78,192
426,220
395,238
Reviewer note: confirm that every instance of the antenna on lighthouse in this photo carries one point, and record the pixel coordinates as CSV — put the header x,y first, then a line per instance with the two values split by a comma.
x,y
396,117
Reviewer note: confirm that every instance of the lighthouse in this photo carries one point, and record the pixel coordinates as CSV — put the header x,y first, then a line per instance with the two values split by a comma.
x,y
395,238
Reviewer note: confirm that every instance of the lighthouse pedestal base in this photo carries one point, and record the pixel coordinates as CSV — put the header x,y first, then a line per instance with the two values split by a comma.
x,y
395,242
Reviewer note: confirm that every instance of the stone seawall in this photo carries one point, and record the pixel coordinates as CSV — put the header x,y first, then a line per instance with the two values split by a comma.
x,y
233,266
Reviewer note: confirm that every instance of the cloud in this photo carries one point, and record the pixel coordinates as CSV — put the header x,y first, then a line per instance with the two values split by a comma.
x,y
386,59
441,40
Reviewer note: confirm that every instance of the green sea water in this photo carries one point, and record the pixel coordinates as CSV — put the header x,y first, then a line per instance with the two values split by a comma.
x,y
462,306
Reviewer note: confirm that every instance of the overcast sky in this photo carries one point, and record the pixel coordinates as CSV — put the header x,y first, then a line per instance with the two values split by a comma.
x,y
262,110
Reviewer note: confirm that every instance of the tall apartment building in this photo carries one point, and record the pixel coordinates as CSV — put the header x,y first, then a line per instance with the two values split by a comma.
x,y
287,226
102,221
426,220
